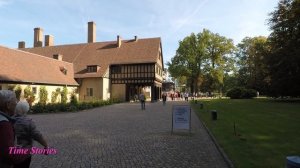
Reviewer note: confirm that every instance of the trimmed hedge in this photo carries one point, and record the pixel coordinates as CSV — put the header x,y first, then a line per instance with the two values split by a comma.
x,y
70,107
241,93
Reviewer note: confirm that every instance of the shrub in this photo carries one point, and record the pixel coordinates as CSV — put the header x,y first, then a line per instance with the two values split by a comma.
x,y
43,94
72,107
64,107
11,87
54,95
18,91
241,93
249,93
235,93
28,95
74,100
38,108
64,95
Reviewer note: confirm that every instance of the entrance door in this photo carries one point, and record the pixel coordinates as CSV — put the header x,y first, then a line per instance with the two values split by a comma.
x,y
132,93
134,90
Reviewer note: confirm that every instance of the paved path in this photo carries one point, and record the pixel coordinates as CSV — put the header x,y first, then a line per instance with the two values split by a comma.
x,y
122,135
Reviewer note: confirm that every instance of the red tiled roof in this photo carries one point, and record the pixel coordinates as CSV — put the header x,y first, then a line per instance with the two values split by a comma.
x,y
24,67
103,54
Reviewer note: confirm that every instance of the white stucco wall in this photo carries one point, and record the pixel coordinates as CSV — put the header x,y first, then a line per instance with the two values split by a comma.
x,y
49,89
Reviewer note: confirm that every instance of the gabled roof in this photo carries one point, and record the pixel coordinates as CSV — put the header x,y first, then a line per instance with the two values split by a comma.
x,y
103,54
24,67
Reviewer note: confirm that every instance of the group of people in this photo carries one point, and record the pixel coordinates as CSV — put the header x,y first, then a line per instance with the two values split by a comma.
x,y
142,98
176,96
16,130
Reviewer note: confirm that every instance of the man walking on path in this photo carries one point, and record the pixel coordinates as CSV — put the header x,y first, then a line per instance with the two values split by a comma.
x,y
164,97
142,100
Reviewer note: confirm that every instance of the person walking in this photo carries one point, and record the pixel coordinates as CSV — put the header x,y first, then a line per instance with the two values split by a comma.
x,y
164,97
26,132
142,100
186,96
8,102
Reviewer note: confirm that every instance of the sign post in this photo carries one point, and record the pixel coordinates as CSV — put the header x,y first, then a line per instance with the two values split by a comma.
x,y
181,118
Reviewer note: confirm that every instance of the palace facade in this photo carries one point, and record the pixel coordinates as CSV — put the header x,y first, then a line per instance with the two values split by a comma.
x,y
119,69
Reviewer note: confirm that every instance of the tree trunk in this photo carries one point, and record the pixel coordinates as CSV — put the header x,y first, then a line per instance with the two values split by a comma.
x,y
192,85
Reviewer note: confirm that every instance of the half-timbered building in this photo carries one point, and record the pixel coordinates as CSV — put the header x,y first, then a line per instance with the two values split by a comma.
x,y
114,69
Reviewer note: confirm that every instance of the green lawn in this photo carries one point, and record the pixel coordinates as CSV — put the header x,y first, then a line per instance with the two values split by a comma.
x,y
267,130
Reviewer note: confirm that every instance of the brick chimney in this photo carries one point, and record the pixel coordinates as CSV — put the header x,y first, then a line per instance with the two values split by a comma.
x,y
58,56
119,41
49,40
21,44
38,37
91,32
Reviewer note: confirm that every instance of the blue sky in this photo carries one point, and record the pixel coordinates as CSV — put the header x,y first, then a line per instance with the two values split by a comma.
x,y
172,20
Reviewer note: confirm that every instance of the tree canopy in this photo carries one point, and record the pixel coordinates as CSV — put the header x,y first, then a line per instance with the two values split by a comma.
x,y
284,58
271,65
252,69
202,59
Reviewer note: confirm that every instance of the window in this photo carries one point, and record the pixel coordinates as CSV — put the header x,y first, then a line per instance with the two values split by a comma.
x,y
116,69
92,68
0,87
89,91
34,90
63,70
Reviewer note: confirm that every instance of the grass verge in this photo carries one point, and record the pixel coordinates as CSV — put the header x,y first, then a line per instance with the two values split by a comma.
x,y
266,131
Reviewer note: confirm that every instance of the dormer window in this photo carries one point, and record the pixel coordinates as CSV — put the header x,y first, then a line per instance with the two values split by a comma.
x,y
63,70
93,68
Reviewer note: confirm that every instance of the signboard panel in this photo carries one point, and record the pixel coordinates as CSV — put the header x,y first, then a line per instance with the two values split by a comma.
x,y
181,117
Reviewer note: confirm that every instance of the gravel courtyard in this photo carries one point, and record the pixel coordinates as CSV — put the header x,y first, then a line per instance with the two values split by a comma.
x,y
123,135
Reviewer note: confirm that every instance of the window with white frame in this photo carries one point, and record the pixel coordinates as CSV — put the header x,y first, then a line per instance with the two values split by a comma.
x,y
92,68
89,91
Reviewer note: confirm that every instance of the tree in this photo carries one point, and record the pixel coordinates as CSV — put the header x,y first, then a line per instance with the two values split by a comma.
x,y
18,91
284,58
202,59
219,50
188,61
43,94
29,95
54,95
64,95
252,68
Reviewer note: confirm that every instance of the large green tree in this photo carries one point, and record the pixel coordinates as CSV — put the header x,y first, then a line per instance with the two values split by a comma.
x,y
188,61
202,59
252,69
219,50
284,59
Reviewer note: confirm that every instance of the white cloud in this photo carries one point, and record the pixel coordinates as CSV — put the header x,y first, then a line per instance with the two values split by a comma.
x,y
5,2
185,20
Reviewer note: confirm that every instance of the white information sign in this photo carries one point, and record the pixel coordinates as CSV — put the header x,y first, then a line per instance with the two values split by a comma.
x,y
181,117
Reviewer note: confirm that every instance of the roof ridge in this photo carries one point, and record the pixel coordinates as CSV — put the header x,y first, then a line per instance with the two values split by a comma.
x,y
17,50
94,42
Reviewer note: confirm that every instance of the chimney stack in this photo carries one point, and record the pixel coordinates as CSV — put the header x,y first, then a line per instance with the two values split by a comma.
x,y
38,37
49,40
58,56
119,41
91,32
135,38
21,44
